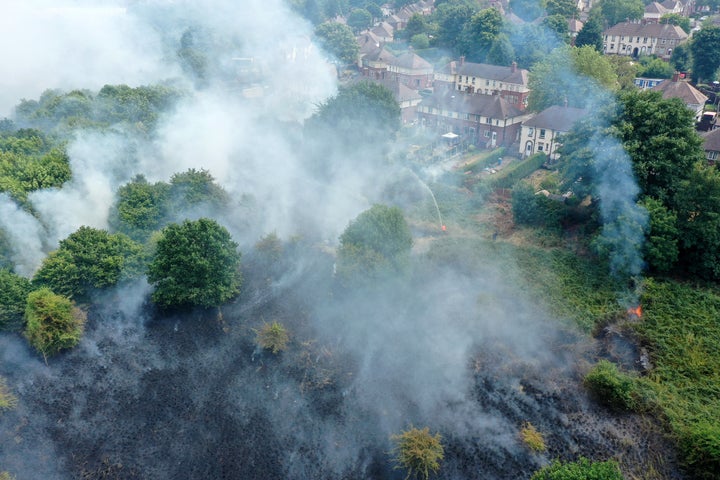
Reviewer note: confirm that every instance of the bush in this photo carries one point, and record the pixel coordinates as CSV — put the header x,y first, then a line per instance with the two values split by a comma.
x,y
418,452
535,209
6,476
583,469
700,446
611,387
507,177
532,438
273,336
7,399
53,322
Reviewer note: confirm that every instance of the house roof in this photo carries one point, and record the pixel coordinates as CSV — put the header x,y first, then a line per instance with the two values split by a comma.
x,y
412,61
652,30
493,106
380,54
384,30
655,8
369,42
676,88
560,119
512,74
401,92
671,5
711,140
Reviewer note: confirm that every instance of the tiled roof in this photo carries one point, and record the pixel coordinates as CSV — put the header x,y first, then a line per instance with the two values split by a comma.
x,y
412,61
560,119
380,54
493,106
711,140
652,30
518,76
369,42
655,7
401,92
384,30
682,90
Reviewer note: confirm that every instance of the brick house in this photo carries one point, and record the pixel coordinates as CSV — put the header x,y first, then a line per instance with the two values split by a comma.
x,y
487,121
510,83
540,133
629,38
412,70
711,145
693,98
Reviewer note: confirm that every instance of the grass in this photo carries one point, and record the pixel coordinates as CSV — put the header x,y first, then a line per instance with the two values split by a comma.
x,y
7,399
418,451
273,336
532,438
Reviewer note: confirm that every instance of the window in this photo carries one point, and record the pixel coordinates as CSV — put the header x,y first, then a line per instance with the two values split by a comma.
x,y
712,155
542,133
466,116
612,46
488,120
541,147
487,133
622,39
487,83
473,80
531,131
663,41
644,39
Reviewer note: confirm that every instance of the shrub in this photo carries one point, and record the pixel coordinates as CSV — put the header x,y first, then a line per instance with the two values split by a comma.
x,y
700,445
7,399
6,476
583,469
532,438
507,177
273,336
419,452
53,322
611,387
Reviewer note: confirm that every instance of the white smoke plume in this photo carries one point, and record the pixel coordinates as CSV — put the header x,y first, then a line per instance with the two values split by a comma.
x,y
24,233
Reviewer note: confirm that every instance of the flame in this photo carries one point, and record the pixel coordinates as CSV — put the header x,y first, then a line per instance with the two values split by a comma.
x,y
637,311
444,228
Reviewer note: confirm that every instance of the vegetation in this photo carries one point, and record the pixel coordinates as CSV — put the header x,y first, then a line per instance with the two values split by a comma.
x,y
273,336
510,175
90,259
53,322
583,469
7,399
378,241
418,451
339,41
14,290
6,476
196,263
532,438
611,387
705,51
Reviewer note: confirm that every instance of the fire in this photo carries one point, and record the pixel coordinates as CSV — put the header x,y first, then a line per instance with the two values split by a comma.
x,y
637,311
444,229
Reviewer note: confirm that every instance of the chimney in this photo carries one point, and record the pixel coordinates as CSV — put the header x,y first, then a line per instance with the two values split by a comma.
x,y
565,102
676,77
462,60
513,67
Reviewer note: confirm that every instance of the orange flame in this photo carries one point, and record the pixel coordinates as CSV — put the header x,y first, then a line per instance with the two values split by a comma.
x,y
637,311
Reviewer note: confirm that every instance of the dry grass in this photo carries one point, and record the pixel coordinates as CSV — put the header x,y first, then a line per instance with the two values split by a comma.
x,y
532,438
7,399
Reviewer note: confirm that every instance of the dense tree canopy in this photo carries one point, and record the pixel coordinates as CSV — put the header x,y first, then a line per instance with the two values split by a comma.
x,y
338,40
479,34
579,76
196,263
705,49
653,67
14,290
591,33
616,11
90,259
141,208
359,19
53,322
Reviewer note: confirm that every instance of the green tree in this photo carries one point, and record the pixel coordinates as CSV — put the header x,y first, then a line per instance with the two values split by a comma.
x,y
420,41
559,25
376,242
53,322
591,33
572,74
361,112
681,58
90,259
501,52
705,50
195,189
451,20
141,207
653,67
534,210
418,452
661,245
583,469
359,19
531,43
338,40
610,386
698,212
14,290
196,263
616,11
416,25
676,19
659,135
626,69
479,34
565,8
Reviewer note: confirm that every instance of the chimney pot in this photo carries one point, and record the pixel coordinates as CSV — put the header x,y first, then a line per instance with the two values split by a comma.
x,y
462,60
676,77
513,67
